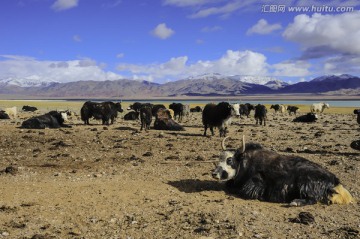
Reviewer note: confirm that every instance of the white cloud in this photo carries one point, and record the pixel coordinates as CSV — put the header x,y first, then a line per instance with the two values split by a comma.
x,y
231,63
224,10
342,64
323,35
61,71
60,5
263,27
292,69
162,31
120,55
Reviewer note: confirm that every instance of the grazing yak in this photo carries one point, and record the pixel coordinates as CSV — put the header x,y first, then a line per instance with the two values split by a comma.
x,y
105,111
357,112
260,114
319,107
4,115
132,115
29,108
253,172
277,107
245,109
292,109
53,119
308,118
145,117
178,109
136,106
164,121
217,116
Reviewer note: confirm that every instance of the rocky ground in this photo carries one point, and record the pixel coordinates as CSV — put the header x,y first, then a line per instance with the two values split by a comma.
x,y
117,182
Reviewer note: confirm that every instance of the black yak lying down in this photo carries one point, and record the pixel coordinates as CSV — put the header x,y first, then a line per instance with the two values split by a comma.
x,y
253,172
4,115
53,119
163,121
308,118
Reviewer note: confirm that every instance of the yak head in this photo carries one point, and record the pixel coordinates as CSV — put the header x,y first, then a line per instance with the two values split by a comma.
x,y
236,109
228,165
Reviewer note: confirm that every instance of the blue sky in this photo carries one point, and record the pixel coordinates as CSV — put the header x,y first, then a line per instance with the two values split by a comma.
x,y
164,40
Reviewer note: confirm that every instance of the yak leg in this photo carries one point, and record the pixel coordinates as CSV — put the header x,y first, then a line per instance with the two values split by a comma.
x,y
253,188
212,130
205,129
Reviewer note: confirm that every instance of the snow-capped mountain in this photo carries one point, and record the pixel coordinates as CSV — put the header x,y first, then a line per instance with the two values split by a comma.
x,y
276,84
324,84
332,77
259,80
205,85
29,81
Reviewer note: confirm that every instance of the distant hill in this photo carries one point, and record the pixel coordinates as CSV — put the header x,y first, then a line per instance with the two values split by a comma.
x,y
324,84
204,85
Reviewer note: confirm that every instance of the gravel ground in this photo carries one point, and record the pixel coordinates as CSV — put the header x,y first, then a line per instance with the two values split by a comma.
x,y
117,182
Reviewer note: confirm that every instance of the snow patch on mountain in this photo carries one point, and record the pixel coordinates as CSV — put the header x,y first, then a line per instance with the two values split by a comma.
x,y
259,80
30,81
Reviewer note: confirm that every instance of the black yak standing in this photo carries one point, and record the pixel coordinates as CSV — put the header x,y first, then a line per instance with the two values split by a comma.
x,y
105,111
217,116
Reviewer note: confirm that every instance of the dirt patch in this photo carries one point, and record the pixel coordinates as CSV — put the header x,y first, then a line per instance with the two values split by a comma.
x,y
117,182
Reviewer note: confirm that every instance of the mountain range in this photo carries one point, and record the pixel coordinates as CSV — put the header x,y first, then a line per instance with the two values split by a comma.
x,y
207,85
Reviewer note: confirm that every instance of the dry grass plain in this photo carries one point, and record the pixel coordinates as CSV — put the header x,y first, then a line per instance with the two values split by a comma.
x,y
117,182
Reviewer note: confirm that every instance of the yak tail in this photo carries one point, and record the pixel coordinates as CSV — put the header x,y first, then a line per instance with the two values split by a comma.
x,y
341,196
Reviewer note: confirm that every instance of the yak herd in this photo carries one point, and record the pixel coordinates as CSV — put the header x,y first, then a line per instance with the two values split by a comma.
x,y
250,171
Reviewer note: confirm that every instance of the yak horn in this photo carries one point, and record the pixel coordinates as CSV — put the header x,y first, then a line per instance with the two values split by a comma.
x,y
243,144
223,143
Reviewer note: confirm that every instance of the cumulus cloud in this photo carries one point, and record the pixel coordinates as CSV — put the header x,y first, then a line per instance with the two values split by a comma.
x,y
231,63
120,55
263,27
292,68
162,31
60,71
60,5
323,35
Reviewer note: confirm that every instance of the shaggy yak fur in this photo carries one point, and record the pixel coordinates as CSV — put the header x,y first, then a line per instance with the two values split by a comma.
x,y
253,172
